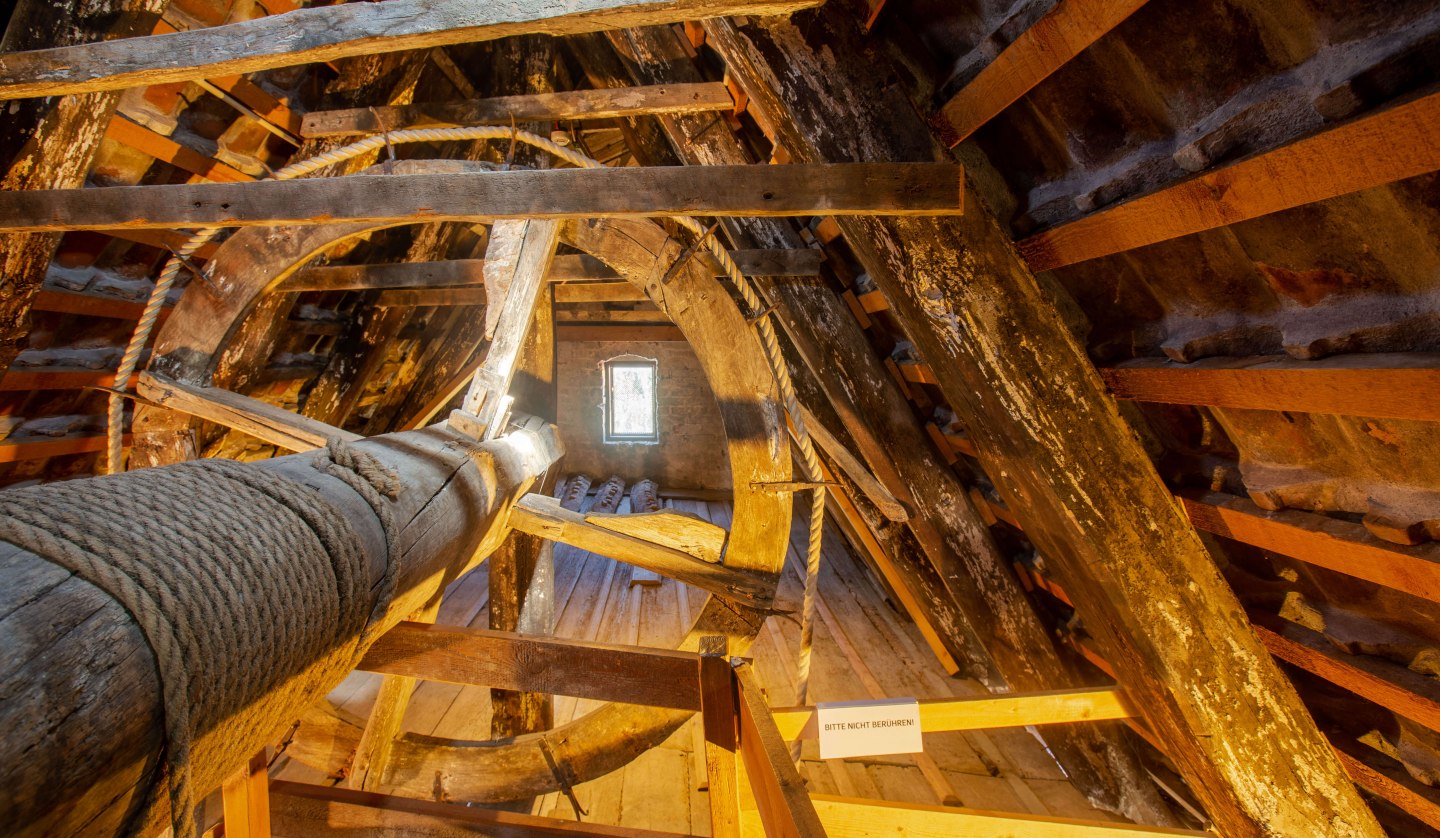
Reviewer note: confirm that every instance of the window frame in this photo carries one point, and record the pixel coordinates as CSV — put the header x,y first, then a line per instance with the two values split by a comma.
x,y
608,434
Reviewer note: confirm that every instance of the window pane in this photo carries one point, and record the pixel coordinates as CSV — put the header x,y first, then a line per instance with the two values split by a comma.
x,y
632,400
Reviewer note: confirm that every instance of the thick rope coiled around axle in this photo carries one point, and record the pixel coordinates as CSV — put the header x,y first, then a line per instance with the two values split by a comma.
x,y
261,591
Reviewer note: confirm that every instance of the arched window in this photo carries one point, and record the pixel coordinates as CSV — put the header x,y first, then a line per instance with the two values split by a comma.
x,y
632,400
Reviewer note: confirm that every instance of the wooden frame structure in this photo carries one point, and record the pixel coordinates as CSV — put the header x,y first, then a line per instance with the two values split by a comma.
x,y
754,786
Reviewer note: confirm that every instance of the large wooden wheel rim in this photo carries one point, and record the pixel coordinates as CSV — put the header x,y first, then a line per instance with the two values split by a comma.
x,y
191,346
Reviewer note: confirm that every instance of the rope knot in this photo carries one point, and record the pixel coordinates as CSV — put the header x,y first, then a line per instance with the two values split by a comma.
x,y
345,456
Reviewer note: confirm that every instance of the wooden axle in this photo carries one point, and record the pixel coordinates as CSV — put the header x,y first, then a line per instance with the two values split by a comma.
x,y
81,757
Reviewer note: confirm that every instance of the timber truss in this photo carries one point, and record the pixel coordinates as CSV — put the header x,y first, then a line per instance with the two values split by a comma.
x,y
1228,739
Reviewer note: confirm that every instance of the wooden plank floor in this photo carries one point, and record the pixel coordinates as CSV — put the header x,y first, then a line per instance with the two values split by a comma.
x,y
859,640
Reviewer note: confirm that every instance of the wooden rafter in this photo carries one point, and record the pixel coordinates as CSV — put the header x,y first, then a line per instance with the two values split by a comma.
x,y
1397,143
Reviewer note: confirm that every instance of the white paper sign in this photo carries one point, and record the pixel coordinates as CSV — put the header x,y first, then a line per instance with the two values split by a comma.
x,y
869,728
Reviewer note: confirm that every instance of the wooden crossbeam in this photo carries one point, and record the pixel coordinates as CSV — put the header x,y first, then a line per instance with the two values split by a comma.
x,y
263,421
423,297
480,657
92,305
1331,543
784,806
566,268
1393,687
544,517
542,107
1014,710
1397,143
246,800
851,818
1395,785
18,450
305,809
846,189
328,33
618,333
1386,386
1055,39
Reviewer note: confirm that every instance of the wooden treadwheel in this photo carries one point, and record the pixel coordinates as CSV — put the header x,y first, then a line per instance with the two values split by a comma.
x,y
193,344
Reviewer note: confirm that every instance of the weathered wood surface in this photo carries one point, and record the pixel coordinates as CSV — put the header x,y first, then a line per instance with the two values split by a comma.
x,y
51,143
1075,474
332,32
544,517
445,274
1063,33
1397,143
76,757
683,531
1381,385
547,107
604,672
387,713
784,804
263,421
959,584
863,188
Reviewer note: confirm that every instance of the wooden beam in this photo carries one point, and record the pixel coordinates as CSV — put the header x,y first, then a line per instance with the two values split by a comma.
x,y
428,297
1383,386
668,527
860,188
162,148
1396,786
784,805
885,502
329,33
1013,710
1334,544
720,722
18,450
845,817
479,657
1062,461
1393,687
1397,143
1055,39
618,291
566,268
92,305
543,107
544,517
400,275
51,378
305,809
266,422
620,332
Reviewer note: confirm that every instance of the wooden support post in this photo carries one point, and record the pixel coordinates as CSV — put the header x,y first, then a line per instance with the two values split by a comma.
x,y
719,717
246,800
372,757
907,189
1078,478
784,805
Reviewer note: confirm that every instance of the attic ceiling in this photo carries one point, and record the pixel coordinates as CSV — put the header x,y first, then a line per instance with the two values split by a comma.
x,y
1276,364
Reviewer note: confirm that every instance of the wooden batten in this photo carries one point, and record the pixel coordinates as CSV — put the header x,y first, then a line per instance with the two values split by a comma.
x,y
1397,143
863,188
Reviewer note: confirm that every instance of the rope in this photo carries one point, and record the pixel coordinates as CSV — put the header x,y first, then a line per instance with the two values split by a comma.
x,y
261,597
765,331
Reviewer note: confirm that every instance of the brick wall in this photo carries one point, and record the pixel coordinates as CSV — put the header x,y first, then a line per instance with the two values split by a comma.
x,y
691,453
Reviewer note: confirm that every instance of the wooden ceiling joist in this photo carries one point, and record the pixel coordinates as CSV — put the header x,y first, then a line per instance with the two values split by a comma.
x,y
1063,33
1382,386
1397,143
261,420
163,148
541,107
860,188
328,33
